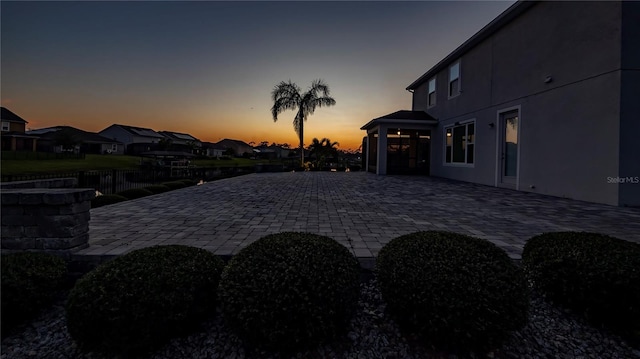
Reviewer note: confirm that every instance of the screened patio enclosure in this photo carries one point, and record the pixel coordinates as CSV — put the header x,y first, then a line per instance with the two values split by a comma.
x,y
399,143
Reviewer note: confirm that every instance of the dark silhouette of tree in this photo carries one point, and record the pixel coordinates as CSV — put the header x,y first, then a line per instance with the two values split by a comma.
x,y
321,150
315,150
66,139
330,148
165,144
288,96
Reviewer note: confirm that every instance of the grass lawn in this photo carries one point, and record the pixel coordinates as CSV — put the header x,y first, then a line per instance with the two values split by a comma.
x,y
99,162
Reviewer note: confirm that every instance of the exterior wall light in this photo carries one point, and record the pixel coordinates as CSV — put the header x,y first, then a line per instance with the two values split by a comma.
x,y
548,79
491,125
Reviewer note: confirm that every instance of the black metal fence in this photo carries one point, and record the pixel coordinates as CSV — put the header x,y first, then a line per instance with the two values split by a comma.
x,y
113,181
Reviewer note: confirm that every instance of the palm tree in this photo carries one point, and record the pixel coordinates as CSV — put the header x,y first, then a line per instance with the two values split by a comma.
x,y
321,150
315,148
288,96
330,147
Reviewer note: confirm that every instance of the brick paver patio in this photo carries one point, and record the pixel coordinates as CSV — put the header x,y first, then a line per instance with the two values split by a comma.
x,y
360,210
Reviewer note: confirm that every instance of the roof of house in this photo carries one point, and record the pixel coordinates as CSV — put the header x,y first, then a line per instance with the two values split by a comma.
x,y
16,134
230,141
402,117
212,145
179,136
496,24
7,115
81,135
138,131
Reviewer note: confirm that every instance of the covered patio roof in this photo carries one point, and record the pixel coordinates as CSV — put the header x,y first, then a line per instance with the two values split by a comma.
x,y
402,117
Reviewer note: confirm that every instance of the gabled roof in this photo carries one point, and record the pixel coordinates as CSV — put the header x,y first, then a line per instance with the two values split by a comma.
x,y
80,135
503,19
213,146
138,131
179,136
230,141
402,117
7,115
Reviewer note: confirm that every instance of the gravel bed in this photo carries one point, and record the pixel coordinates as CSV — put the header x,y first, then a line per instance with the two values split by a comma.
x,y
550,333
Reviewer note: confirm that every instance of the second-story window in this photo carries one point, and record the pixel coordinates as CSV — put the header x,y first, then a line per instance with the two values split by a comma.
x,y
5,126
454,79
431,97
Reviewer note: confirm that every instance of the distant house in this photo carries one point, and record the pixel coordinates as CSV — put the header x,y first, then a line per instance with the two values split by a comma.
x,y
543,99
183,142
213,149
135,139
240,148
271,152
55,139
13,133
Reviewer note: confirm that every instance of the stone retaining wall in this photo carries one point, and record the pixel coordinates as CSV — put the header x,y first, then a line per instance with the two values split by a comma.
x,y
45,219
44,183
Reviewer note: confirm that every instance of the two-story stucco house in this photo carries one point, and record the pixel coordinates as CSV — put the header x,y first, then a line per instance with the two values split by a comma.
x,y
12,132
136,139
544,99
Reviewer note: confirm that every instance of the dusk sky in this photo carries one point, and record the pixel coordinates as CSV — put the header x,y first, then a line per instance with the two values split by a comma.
x,y
207,68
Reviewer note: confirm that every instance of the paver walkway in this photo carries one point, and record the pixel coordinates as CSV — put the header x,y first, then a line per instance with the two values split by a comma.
x,y
360,210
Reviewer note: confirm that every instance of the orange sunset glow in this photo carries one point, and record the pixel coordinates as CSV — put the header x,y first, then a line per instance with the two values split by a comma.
x,y
208,68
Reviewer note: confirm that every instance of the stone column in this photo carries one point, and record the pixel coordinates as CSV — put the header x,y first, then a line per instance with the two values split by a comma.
x,y
46,219
381,168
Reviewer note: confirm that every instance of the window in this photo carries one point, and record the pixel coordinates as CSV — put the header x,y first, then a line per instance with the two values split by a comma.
x,y
431,97
454,79
459,143
5,126
114,147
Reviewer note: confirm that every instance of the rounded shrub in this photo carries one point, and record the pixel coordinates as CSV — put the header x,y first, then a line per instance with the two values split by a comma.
x,y
288,291
136,302
30,282
189,182
134,193
175,185
158,188
107,199
594,274
456,292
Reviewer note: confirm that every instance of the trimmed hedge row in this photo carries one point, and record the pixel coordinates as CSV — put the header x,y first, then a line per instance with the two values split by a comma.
x,y
457,292
175,185
30,281
290,290
593,274
158,188
136,302
135,193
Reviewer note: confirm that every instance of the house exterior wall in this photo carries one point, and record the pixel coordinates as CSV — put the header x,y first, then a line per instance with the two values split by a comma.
x,y
109,148
214,152
629,175
18,127
14,126
573,134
